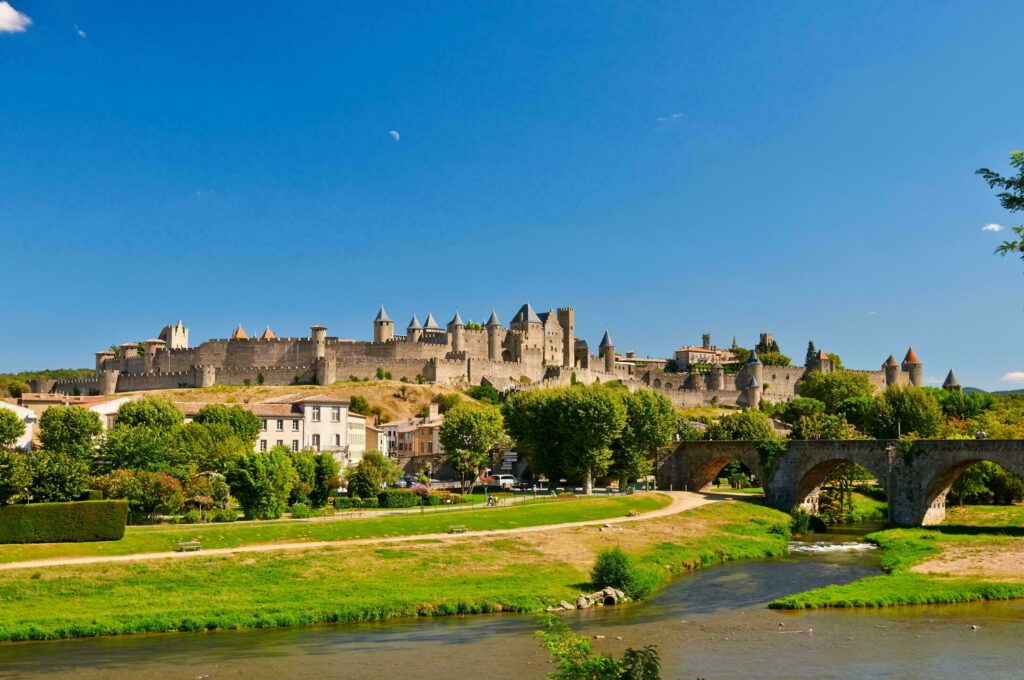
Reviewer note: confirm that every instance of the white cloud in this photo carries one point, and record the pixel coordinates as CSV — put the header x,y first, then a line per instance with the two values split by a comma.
x,y
992,227
79,32
394,135
1013,376
872,313
932,380
671,116
11,20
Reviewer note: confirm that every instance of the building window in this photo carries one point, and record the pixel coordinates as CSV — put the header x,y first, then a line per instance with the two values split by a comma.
x,y
295,426
280,426
316,414
295,445
264,426
336,414
316,442
280,442
337,440
263,445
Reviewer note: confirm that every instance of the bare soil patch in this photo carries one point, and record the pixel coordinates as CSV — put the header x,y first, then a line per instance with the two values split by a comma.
x,y
1003,562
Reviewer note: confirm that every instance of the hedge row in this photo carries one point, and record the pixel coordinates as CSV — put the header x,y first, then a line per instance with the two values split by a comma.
x,y
344,502
74,522
397,498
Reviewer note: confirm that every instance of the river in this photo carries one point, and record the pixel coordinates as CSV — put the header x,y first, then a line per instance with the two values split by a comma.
x,y
710,624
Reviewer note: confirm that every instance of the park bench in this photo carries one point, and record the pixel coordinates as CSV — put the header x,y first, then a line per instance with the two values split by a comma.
x,y
457,529
189,546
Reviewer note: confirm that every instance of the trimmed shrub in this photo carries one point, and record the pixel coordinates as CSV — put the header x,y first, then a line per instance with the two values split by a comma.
x,y
615,569
300,511
226,515
397,498
433,499
192,517
73,522
342,502
366,503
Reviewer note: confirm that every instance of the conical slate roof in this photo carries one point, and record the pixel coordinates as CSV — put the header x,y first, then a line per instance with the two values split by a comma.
x,y
752,382
414,324
382,315
911,358
951,381
753,359
457,321
239,334
891,361
606,341
526,314
268,334
493,321
431,324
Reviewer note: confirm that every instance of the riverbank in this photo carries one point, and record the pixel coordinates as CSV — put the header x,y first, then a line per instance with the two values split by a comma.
x,y
525,572
974,556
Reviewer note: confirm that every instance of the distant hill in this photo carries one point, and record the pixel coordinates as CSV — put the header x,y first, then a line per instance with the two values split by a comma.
x,y
978,390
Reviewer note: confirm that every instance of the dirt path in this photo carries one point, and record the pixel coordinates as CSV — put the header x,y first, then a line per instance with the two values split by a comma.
x,y
681,502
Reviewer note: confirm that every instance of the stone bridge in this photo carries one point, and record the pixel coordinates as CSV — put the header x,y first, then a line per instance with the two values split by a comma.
x,y
916,475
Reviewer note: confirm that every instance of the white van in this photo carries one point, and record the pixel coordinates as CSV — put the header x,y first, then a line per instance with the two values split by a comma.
x,y
505,481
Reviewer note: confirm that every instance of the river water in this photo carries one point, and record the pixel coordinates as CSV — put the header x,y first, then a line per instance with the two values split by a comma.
x,y
710,624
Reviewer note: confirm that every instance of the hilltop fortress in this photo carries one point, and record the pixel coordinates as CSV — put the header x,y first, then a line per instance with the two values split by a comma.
x,y
535,349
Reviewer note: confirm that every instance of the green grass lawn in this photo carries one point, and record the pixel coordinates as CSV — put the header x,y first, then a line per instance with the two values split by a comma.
x,y
161,538
903,548
360,583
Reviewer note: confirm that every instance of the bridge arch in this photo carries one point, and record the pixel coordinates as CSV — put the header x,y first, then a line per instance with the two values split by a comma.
x,y
810,480
936,487
695,465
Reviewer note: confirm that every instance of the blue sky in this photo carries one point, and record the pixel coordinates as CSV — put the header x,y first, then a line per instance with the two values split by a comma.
x,y
666,168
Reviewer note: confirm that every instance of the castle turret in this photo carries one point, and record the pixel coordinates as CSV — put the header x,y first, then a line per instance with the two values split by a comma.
x,y
752,393
705,341
754,369
607,351
383,327
268,334
716,378
204,376
239,333
108,380
414,331
432,326
493,337
951,382
150,348
914,368
567,320
103,357
821,362
458,332
892,371
318,334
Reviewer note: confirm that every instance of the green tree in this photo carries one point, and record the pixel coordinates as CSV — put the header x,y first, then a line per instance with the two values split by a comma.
x,y
651,423
837,361
822,426
370,474
791,411
209,446
485,393
774,359
16,388
149,494
446,402
528,419
304,464
153,412
857,411
325,479
575,658
905,410
69,429
359,405
56,477
143,448
832,388
15,475
1011,198
469,434
587,421
812,352
262,482
12,428
962,405
749,425
244,423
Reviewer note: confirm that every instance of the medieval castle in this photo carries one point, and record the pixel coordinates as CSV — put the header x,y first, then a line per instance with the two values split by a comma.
x,y
535,349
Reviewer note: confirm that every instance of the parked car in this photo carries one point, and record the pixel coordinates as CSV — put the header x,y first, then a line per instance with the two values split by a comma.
x,y
505,481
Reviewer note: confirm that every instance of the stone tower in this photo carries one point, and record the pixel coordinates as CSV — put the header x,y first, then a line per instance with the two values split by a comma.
x,y
493,337
607,351
326,368
951,382
913,366
414,331
175,336
752,392
108,380
149,357
754,369
821,362
383,327
705,341
457,329
567,320
716,378
892,371
766,340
